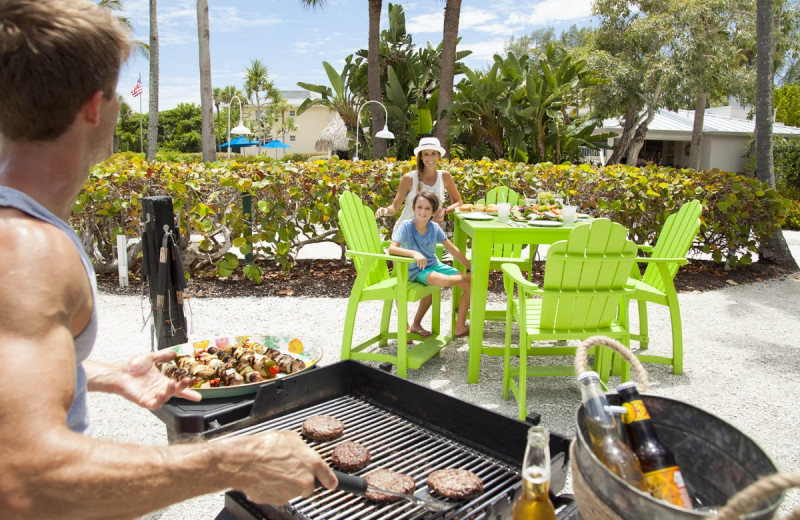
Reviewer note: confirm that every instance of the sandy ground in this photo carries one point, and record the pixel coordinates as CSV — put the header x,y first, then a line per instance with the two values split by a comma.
x,y
742,363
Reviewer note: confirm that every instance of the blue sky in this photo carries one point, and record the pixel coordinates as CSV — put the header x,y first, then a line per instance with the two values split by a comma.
x,y
293,41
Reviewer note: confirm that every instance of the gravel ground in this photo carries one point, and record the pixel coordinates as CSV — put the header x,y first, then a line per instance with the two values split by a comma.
x,y
742,362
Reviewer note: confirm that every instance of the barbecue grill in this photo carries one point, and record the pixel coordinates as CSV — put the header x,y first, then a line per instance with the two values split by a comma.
x,y
407,428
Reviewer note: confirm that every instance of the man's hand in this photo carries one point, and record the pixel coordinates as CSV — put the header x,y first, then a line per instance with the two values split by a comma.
x,y
275,467
139,380
143,384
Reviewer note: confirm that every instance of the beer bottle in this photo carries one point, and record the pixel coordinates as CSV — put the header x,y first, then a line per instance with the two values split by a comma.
x,y
661,472
534,502
606,442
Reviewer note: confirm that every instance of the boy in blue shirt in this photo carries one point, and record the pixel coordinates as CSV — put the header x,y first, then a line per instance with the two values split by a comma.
x,y
417,239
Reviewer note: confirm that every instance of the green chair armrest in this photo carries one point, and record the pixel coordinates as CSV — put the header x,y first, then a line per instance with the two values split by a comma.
x,y
393,258
439,248
647,259
513,272
645,248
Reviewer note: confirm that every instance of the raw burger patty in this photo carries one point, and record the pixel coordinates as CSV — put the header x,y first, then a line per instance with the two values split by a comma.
x,y
350,456
322,428
455,483
390,481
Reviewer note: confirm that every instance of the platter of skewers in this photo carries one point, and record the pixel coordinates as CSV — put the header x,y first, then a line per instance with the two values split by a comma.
x,y
238,365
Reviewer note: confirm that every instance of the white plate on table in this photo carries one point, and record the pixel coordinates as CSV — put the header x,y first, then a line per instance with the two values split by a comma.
x,y
476,215
583,216
545,223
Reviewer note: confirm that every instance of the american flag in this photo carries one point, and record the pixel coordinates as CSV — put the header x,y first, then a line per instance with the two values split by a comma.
x,y
137,89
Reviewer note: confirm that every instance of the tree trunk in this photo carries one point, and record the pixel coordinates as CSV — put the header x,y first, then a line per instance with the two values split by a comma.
x,y
206,97
774,250
379,146
152,114
452,14
641,130
697,129
631,118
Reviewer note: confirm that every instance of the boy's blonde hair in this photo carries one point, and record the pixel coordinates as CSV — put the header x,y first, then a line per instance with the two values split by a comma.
x,y
54,54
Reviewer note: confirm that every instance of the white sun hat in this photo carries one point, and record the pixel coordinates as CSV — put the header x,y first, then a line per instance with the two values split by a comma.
x,y
429,143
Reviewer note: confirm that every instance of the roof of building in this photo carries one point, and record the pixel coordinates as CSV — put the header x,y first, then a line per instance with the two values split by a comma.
x,y
716,121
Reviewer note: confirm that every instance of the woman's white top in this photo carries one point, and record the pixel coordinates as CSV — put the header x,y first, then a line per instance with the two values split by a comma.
x,y
416,187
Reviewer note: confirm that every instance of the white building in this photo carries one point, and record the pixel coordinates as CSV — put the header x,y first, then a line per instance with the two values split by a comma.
x,y
726,134
308,125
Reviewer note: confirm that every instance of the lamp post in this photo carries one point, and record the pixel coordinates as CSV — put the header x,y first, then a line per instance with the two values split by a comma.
x,y
383,134
238,129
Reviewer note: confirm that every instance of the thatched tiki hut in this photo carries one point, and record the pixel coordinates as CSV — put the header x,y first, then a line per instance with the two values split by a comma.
x,y
333,138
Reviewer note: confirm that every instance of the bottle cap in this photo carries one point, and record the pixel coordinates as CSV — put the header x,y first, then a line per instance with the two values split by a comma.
x,y
588,374
625,386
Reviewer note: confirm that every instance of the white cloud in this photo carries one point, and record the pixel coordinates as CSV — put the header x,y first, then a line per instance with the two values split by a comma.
x,y
483,51
548,12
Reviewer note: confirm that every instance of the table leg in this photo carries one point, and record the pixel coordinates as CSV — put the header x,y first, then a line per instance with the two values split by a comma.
x,y
460,241
479,288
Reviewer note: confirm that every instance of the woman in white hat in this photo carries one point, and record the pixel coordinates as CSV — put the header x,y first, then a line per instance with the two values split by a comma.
x,y
425,178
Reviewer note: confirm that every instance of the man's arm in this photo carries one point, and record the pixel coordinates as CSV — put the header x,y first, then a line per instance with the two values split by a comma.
x,y
48,471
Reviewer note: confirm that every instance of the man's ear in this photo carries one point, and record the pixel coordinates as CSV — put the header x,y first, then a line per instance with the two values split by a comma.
x,y
91,108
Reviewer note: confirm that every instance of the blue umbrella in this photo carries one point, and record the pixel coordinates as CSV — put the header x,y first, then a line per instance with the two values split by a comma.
x,y
275,143
238,142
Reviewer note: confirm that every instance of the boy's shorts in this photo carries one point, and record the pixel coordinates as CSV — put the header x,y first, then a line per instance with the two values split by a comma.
x,y
438,268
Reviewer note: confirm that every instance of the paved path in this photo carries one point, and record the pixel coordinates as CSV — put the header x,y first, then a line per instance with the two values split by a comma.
x,y
742,363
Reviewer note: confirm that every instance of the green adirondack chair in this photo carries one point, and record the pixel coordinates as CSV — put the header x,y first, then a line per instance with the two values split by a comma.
x,y
374,282
585,280
656,285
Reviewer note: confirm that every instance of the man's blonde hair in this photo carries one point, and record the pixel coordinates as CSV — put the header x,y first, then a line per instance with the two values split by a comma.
x,y
54,54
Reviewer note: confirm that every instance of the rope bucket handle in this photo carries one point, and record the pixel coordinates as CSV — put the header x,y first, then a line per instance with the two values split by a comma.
x,y
582,358
743,501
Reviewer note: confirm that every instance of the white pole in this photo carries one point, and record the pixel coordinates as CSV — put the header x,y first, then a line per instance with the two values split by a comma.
x,y
122,260
141,132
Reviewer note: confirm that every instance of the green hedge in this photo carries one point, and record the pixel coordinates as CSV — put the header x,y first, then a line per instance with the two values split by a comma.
x,y
295,203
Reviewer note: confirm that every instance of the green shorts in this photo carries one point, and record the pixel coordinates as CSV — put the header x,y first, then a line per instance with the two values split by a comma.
x,y
438,268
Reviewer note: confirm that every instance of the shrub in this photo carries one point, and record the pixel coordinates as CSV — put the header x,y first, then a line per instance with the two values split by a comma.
x,y
295,203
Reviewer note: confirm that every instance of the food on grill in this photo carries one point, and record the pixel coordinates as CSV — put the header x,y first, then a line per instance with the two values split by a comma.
x,y
322,428
388,480
457,484
350,456
232,364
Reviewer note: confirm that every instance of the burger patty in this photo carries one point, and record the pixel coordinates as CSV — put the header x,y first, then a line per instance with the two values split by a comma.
x,y
350,456
455,483
390,481
322,428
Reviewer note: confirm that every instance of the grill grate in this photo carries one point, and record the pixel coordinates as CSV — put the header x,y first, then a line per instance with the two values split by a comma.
x,y
398,444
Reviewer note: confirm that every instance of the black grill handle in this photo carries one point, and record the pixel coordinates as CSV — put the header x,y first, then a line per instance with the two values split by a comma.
x,y
347,482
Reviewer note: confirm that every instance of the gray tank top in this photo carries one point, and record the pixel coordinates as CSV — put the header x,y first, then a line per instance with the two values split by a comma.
x,y
78,416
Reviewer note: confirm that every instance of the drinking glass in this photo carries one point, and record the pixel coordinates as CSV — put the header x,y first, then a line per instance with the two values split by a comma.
x,y
568,214
503,210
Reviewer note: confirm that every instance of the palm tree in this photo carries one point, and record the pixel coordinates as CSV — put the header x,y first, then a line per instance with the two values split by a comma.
x,y
775,250
452,14
379,146
139,48
152,117
206,99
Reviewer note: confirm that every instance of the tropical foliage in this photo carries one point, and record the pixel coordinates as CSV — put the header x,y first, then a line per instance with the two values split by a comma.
x,y
294,204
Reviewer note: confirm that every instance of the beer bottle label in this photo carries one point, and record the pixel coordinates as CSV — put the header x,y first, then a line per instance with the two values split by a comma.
x,y
636,411
667,484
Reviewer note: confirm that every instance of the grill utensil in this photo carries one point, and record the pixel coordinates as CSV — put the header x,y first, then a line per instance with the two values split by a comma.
x,y
359,486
